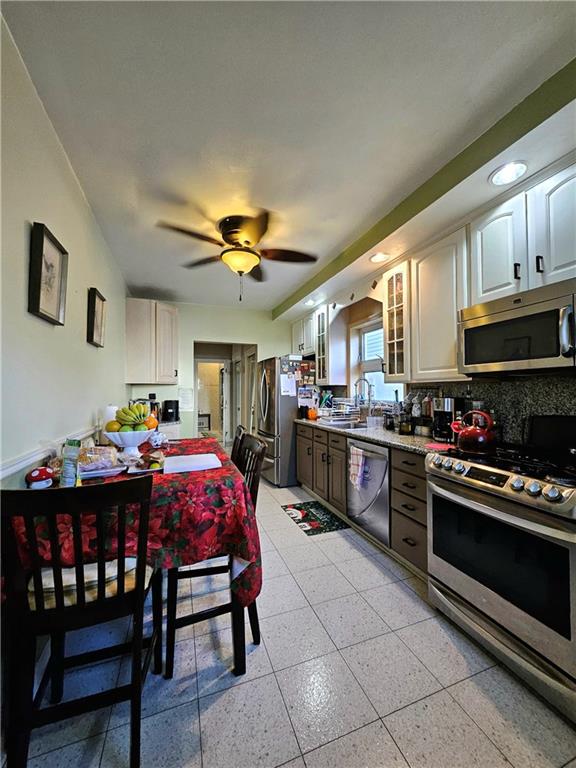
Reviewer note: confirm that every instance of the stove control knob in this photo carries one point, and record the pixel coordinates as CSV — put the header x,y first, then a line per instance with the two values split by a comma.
x,y
459,468
447,464
517,484
534,488
552,494
437,461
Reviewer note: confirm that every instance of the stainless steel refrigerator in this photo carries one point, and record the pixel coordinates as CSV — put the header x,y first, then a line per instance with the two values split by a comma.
x,y
277,407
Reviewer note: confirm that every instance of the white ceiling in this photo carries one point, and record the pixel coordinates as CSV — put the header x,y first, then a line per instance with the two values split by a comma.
x,y
328,114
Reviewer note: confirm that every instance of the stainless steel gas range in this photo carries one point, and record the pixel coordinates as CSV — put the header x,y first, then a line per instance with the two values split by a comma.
x,y
502,559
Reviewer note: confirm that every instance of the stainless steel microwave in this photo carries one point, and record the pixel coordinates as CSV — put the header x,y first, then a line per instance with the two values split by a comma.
x,y
532,330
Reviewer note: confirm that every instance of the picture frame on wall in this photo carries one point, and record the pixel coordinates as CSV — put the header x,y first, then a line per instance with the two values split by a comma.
x,y
96,318
47,275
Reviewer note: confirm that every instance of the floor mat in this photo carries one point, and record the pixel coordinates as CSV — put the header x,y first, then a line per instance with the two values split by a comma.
x,y
313,517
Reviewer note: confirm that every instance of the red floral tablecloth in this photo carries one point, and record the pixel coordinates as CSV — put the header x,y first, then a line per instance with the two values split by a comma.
x,y
194,516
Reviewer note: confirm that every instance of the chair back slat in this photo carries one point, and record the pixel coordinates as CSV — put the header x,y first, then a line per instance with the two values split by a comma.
x,y
78,559
250,461
35,559
101,561
121,553
236,445
81,520
55,561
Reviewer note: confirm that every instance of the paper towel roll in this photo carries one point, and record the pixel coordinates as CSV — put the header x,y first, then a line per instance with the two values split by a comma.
x,y
109,415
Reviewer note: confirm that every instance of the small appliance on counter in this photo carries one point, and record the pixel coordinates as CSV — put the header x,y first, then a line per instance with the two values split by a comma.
x,y
170,411
152,403
444,410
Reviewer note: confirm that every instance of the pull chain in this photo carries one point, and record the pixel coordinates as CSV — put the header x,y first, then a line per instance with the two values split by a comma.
x,y
241,285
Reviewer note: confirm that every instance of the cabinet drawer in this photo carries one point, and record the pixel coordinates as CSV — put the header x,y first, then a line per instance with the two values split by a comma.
x,y
321,436
408,462
409,539
304,431
337,441
410,484
414,508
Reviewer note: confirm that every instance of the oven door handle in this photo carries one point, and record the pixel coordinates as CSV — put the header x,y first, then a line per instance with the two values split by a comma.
x,y
517,522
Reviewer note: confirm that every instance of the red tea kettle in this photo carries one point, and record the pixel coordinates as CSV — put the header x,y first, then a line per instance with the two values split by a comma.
x,y
475,432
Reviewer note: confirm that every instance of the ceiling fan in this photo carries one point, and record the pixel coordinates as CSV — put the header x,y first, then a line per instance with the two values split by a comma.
x,y
240,236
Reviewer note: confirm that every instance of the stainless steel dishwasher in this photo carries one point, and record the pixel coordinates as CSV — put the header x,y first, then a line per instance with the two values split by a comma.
x,y
368,502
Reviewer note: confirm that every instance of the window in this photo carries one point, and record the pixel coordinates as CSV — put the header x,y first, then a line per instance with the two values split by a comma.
x,y
370,364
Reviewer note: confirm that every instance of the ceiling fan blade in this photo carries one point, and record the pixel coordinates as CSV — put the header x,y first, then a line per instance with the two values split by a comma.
x,y
255,228
189,233
279,254
201,262
257,273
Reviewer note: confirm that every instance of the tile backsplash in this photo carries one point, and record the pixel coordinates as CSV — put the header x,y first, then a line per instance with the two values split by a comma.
x,y
514,400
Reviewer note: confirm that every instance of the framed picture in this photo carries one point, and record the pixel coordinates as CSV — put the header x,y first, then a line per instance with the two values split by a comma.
x,y
96,317
47,276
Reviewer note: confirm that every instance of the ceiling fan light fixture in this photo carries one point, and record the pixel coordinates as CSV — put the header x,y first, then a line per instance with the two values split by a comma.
x,y
240,260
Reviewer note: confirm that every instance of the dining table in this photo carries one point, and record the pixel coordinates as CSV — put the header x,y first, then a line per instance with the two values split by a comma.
x,y
194,516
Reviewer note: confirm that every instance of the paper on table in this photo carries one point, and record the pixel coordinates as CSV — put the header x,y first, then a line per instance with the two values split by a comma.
x,y
191,463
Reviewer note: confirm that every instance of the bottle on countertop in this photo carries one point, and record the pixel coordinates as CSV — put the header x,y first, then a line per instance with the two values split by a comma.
x,y
427,405
417,405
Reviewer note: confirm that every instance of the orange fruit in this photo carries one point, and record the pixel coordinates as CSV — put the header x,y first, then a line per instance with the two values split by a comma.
x,y
151,422
112,426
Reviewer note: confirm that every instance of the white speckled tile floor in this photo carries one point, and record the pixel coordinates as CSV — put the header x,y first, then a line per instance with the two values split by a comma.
x,y
355,670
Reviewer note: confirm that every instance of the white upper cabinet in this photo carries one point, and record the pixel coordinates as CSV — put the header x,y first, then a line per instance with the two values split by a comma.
x,y
166,344
498,252
552,229
330,337
303,335
395,296
439,288
151,342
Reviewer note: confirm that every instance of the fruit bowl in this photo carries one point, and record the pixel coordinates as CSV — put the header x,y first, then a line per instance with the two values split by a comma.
x,y
129,441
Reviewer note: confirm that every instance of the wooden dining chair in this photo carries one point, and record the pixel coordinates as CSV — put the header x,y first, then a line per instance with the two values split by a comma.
x,y
65,567
251,458
240,432
251,467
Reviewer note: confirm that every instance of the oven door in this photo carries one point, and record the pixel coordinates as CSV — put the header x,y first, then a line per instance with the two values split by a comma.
x,y
533,337
516,566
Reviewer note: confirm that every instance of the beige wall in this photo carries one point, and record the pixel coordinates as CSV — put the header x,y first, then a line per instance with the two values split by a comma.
x,y
53,382
230,325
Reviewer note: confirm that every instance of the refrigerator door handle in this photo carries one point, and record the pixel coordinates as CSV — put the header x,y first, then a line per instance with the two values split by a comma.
x,y
263,396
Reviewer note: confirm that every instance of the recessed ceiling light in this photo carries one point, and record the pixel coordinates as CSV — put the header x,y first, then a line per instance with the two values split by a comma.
x,y
378,258
309,303
508,173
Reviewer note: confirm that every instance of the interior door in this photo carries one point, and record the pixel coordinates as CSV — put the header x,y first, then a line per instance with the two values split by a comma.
x,y
225,404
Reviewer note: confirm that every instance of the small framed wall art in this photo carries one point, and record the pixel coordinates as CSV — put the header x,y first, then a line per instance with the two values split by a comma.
x,y
47,276
96,317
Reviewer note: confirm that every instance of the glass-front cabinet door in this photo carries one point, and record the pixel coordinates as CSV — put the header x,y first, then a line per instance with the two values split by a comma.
x,y
321,344
396,331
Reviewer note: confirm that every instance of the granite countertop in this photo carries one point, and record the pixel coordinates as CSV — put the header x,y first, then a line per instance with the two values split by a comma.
x,y
378,436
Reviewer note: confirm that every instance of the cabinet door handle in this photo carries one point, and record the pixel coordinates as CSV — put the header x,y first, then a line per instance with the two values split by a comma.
x,y
540,264
409,485
324,457
175,371
309,451
409,507
409,463
517,266
329,460
409,541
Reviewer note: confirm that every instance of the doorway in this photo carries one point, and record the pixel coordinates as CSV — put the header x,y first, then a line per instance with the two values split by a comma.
x,y
213,387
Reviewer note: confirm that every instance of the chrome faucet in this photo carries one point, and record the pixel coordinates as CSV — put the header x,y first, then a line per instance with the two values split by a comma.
x,y
356,383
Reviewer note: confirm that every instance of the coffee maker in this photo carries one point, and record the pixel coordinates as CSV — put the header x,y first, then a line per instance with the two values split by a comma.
x,y
444,410
171,410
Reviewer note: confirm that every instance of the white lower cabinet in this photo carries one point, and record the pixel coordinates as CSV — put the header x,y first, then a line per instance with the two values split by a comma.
x,y
552,229
498,252
439,288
